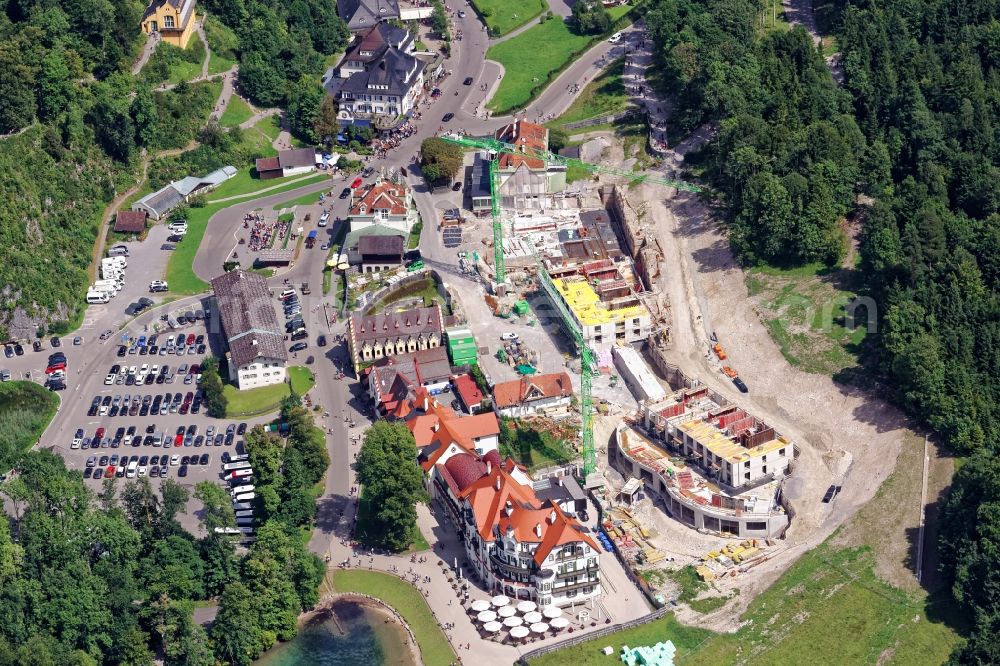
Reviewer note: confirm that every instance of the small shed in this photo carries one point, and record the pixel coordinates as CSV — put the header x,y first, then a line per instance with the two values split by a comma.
x,y
130,221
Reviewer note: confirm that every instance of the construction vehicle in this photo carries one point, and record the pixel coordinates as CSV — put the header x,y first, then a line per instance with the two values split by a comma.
x,y
588,358
729,372
719,351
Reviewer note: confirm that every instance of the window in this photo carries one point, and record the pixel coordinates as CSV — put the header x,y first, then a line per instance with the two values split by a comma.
x,y
781,452
168,21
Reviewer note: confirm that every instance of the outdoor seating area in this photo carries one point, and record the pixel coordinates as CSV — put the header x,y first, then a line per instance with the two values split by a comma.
x,y
498,619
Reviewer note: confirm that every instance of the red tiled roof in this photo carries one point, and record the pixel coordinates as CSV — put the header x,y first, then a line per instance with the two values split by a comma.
x,y
130,221
525,135
527,389
439,424
381,196
465,469
468,391
265,164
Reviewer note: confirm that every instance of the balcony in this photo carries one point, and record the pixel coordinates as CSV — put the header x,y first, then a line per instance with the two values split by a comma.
x,y
593,568
562,589
506,566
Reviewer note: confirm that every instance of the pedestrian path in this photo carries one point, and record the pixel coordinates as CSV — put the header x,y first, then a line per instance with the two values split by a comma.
x,y
147,52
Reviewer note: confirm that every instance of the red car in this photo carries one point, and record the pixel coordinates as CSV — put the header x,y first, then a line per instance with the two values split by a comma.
x,y
55,367
357,183
110,471
190,339
178,440
99,434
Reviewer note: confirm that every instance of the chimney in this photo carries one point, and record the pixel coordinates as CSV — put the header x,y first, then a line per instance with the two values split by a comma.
x,y
489,467
552,517
435,427
538,530
510,531
498,482
426,403
509,508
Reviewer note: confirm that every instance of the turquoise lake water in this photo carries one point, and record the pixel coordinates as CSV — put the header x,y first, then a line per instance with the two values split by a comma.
x,y
354,635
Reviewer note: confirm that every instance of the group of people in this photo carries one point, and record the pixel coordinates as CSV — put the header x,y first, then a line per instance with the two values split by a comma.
x,y
383,145
260,231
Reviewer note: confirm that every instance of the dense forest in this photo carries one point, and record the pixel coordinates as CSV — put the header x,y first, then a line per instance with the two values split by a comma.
x,y
914,129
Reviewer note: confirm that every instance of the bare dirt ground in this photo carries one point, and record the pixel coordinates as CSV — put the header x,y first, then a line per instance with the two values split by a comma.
x,y
845,435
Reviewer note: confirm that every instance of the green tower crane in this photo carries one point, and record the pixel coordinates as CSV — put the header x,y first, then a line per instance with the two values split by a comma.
x,y
588,358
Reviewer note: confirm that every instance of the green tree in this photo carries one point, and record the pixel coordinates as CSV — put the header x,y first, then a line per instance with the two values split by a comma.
x,y
55,86
211,383
260,81
217,506
219,555
445,157
325,126
173,568
393,481
304,101
591,18
236,632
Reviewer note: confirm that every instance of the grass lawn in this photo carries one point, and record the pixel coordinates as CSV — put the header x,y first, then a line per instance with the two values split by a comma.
x,y
247,182
804,309
304,200
772,18
530,58
503,16
434,647
218,64
603,96
25,411
270,126
237,112
369,534
302,379
413,240
254,402
666,628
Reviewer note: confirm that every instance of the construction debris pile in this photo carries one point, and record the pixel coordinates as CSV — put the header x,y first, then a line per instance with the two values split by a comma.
x,y
733,559
630,537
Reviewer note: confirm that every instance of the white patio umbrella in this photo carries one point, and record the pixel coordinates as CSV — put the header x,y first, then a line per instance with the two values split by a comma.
x,y
552,612
526,606
539,627
486,616
500,600
479,605
518,632
507,611
492,627
513,621
532,617
559,623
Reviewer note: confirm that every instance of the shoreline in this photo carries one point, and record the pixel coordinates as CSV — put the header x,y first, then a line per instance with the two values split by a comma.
x,y
324,610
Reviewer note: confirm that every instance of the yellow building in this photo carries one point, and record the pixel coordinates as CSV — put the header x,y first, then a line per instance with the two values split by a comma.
x,y
603,324
172,20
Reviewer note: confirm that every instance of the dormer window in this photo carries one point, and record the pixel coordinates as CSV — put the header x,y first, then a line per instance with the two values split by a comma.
x,y
168,21
383,214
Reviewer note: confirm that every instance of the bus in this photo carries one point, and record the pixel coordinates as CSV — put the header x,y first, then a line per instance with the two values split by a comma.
x,y
240,457
246,530
226,530
245,497
245,513
242,464
238,474
242,506
239,490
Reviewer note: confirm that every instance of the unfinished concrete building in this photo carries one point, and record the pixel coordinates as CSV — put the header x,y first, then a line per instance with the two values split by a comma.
x,y
716,467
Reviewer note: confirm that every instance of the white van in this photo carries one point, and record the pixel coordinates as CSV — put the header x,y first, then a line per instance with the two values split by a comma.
x,y
97,297
112,274
110,286
245,497
132,469
226,530
117,262
239,490
323,219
